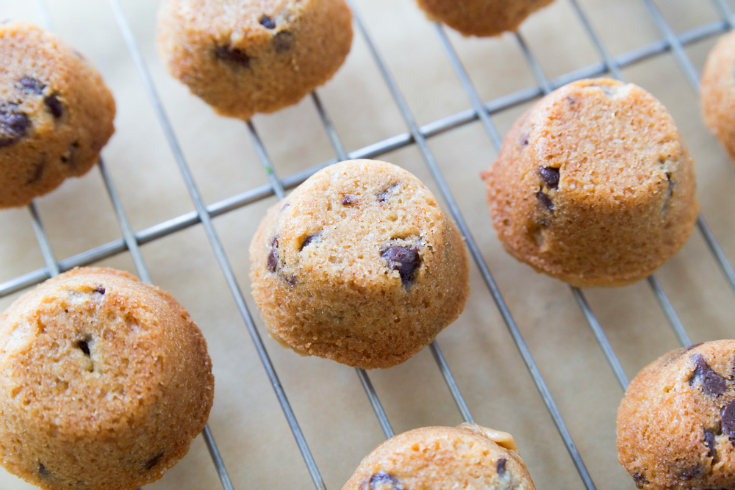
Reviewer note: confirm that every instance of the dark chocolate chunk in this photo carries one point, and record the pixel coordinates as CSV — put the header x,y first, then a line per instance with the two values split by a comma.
x,y
405,260
273,260
709,442
267,22
13,127
308,241
29,84
283,40
670,190
382,478
43,471
550,176
639,478
348,199
83,346
153,461
524,140
54,105
693,346
712,383
728,420
37,172
500,466
291,280
100,290
232,55
570,100
545,200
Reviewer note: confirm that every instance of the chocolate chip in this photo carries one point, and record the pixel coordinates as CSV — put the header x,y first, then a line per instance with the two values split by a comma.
x,y
570,100
43,471
385,193
68,157
545,200
550,176
712,383
267,22
689,473
29,84
308,241
670,190
37,172
347,200
382,478
728,420
639,478
83,346
500,466
153,461
405,260
100,290
693,346
54,105
272,262
283,41
524,140
232,55
709,442
13,127
291,280
605,89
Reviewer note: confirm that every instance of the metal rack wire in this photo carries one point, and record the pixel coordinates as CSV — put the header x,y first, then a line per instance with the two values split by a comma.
x,y
415,135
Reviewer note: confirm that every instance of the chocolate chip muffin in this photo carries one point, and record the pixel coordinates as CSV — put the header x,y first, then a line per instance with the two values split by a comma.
x,y
481,17
717,92
248,56
593,185
359,264
105,381
55,113
676,424
430,458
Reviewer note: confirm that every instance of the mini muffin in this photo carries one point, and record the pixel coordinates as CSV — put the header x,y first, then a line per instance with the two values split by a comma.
x,y
431,458
676,424
55,113
359,264
105,381
717,92
481,17
248,56
593,185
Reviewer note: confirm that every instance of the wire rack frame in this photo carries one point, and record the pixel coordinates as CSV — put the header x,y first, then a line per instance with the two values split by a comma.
x,y
131,241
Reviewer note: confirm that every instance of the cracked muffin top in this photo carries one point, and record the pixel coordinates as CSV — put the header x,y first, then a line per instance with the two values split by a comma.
x,y
593,185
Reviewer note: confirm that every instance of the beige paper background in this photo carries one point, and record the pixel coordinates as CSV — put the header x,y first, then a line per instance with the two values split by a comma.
x,y
331,407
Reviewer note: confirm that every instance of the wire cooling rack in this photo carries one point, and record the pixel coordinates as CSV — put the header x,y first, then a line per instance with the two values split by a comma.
x,y
415,136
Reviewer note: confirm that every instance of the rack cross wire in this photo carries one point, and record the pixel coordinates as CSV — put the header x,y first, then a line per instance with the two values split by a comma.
x,y
415,135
